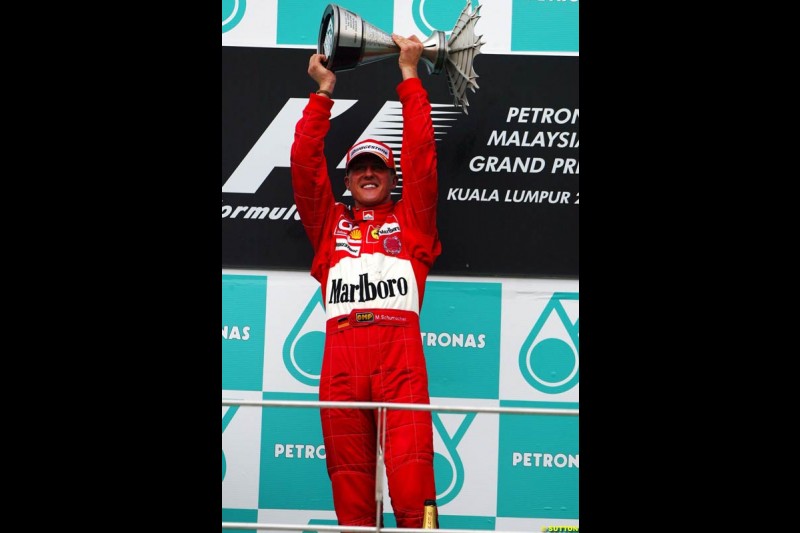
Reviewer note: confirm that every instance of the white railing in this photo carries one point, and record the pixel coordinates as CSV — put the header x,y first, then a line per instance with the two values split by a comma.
x,y
382,407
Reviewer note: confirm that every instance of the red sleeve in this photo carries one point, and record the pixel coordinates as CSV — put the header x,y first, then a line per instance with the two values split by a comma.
x,y
419,165
310,180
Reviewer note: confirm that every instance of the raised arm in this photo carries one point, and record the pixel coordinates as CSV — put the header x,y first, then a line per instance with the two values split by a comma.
x,y
310,180
418,159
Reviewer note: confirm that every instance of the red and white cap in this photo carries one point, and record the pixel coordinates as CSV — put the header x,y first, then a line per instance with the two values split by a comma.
x,y
371,146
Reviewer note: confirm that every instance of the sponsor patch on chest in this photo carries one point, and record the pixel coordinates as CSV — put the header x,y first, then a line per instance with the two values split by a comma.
x,y
351,237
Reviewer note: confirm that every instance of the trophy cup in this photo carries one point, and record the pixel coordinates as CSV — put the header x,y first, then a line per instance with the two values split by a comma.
x,y
348,41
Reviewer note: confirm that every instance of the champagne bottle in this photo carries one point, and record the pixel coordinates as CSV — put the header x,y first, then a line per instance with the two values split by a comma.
x,y
430,518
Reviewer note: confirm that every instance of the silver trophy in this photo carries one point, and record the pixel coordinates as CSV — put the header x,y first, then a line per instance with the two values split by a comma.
x,y
348,41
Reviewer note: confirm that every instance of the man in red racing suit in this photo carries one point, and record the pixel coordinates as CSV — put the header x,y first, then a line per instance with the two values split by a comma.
x,y
372,261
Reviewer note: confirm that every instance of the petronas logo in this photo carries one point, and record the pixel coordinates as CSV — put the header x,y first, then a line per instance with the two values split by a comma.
x,y
302,351
232,13
548,358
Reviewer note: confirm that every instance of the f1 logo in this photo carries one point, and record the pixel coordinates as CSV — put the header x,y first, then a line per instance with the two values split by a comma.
x,y
273,147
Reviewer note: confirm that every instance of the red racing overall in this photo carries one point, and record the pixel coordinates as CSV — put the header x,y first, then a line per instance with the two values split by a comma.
x,y
372,264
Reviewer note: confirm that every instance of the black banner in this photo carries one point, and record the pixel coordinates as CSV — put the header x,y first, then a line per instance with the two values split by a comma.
x,y
508,170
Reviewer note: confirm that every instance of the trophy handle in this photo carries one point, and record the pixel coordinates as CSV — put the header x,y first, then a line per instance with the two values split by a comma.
x,y
435,52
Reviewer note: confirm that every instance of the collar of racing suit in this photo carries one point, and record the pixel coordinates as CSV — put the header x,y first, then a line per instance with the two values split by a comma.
x,y
377,213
